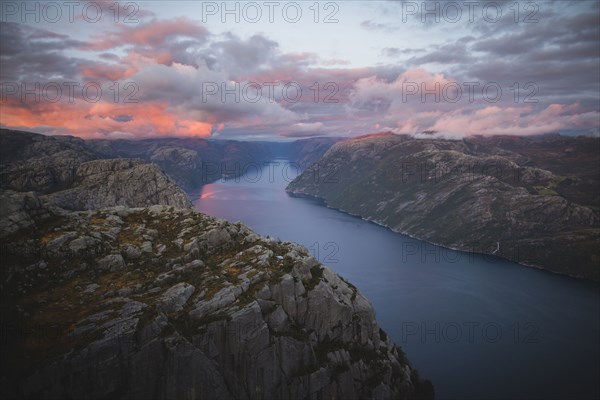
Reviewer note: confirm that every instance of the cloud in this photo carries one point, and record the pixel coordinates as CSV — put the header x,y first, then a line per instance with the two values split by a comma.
x,y
396,52
167,64
31,54
154,33
123,118
399,109
377,26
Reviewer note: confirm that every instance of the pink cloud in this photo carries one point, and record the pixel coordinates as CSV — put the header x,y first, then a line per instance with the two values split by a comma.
x,y
100,120
109,72
153,33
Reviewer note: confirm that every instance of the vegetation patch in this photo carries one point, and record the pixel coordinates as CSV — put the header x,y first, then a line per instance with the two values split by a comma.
x,y
316,273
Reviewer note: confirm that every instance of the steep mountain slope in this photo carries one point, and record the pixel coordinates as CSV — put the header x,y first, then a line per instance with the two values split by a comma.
x,y
34,162
169,303
484,194
191,161
125,182
64,172
306,152
163,302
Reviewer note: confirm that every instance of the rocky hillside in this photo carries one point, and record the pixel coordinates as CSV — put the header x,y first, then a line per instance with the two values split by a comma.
x,y
306,152
33,162
191,162
166,303
532,200
153,300
62,171
126,182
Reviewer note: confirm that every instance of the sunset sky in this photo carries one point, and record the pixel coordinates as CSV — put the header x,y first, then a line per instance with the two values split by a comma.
x,y
327,68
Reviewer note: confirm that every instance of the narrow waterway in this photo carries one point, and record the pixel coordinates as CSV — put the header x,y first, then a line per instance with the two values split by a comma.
x,y
479,327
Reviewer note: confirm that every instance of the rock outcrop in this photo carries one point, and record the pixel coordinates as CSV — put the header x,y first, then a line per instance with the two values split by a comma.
x,y
64,172
191,162
126,182
113,287
169,303
33,162
306,152
532,200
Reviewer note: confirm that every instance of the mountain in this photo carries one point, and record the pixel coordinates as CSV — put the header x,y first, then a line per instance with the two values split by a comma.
x,y
191,162
41,163
306,152
64,172
106,296
532,200
34,162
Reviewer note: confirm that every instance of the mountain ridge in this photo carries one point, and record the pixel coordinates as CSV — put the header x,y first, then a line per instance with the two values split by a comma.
x,y
478,194
111,297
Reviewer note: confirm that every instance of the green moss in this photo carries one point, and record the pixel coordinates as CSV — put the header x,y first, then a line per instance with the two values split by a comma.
x,y
545,191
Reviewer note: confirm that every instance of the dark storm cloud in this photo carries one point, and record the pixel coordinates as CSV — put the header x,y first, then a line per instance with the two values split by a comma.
x,y
377,26
396,52
243,56
28,53
123,118
453,53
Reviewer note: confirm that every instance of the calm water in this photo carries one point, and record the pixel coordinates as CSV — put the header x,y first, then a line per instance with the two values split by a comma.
x,y
477,326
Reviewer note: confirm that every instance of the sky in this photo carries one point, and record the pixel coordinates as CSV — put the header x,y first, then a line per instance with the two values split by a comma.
x,y
275,70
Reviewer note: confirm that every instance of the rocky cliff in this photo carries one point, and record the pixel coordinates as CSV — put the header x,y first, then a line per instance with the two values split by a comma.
x,y
306,152
126,182
169,303
191,162
163,302
62,171
532,200
33,162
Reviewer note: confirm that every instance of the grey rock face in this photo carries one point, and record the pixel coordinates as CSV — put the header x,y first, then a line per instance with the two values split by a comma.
x,y
240,319
131,183
175,297
32,162
190,161
64,172
18,210
111,262
164,302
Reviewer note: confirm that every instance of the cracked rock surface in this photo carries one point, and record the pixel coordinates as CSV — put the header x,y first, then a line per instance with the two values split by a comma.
x,y
167,303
